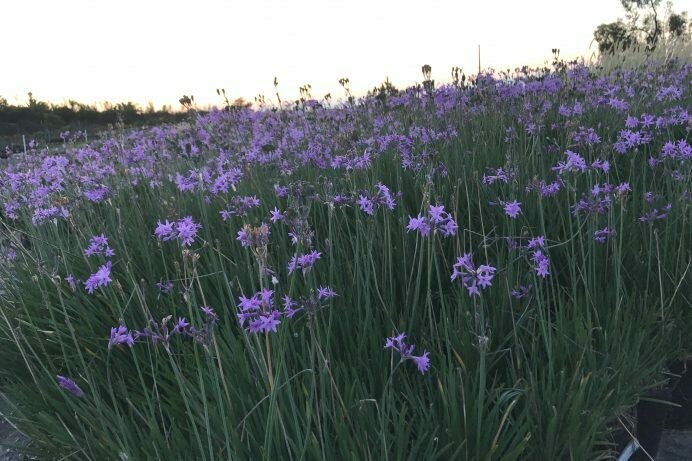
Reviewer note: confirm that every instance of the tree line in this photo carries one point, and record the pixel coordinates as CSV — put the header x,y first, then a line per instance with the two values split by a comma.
x,y
645,26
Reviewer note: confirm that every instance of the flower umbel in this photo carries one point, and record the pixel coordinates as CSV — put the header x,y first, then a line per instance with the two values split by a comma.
x,y
397,343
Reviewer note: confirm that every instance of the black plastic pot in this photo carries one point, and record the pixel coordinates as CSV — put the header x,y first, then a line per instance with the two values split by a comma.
x,y
670,408
651,418
681,417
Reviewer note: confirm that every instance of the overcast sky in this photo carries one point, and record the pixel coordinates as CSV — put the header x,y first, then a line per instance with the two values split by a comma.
x,y
145,50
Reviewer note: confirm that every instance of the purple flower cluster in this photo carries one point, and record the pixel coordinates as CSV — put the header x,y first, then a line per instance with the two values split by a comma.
x,y
185,230
381,198
472,277
303,262
438,220
396,343
541,263
100,278
259,312
161,332
254,237
603,235
98,245
239,206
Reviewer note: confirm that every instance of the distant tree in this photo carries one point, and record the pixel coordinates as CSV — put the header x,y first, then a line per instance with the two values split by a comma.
x,y
643,18
3,102
643,26
678,25
241,103
613,36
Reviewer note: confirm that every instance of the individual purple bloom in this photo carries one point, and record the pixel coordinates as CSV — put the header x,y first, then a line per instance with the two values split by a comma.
x,y
437,213
512,209
242,236
120,335
422,361
280,191
180,325
70,386
101,278
365,205
269,323
187,230
449,227
419,224
631,122
276,215
209,313
71,281
472,277
289,307
325,293
164,231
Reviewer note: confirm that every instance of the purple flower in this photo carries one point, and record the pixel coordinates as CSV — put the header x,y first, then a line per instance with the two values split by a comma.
x,y
71,281
365,205
537,242
438,220
325,293
276,215
120,335
187,230
521,291
184,230
575,162
512,209
304,261
209,313
98,244
164,231
397,343
601,236
70,386
422,361
419,224
164,288
101,278
541,263
259,312
289,306
180,325
471,276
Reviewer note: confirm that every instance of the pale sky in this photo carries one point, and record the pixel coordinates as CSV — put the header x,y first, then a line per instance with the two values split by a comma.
x,y
146,50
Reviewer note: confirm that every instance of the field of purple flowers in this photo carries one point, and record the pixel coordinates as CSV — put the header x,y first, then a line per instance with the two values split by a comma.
x,y
490,269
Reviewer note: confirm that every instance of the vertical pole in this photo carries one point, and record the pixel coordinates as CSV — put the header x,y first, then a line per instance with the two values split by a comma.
x,y
479,59
24,142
